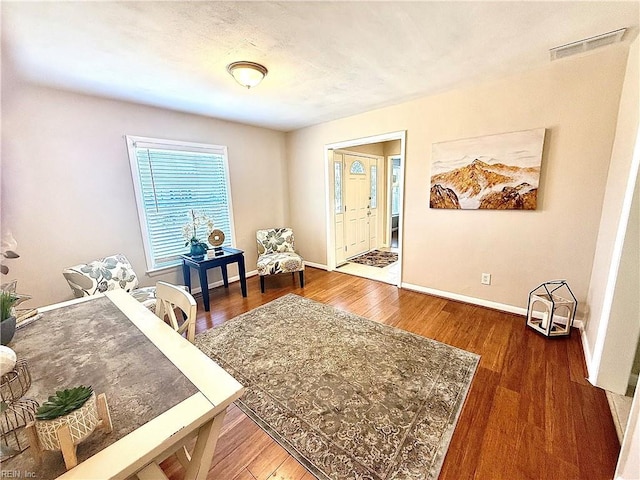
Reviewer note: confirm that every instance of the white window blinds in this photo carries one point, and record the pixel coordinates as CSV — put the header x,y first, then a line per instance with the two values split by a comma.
x,y
171,179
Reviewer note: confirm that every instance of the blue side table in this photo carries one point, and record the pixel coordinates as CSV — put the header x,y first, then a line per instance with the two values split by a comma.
x,y
229,255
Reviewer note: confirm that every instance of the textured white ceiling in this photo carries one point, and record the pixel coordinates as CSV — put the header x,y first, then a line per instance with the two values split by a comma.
x,y
326,60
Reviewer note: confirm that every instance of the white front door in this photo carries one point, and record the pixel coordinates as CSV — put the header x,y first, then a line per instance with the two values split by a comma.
x,y
357,211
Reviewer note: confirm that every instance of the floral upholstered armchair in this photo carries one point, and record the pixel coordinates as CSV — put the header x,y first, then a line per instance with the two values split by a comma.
x,y
276,254
108,273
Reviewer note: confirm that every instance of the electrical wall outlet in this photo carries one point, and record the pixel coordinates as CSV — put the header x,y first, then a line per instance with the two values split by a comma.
x,y
486,279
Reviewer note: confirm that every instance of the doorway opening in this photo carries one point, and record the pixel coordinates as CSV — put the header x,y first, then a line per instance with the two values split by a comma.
x,y
364,200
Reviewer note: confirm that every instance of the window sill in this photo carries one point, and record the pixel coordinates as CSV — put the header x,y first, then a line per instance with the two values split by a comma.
x,y
154,272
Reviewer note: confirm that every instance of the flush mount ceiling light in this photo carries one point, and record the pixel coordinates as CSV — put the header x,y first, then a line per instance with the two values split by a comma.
x,y
247,74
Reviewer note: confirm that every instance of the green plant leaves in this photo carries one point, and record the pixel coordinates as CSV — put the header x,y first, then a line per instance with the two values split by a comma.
x,y
63,402
7,299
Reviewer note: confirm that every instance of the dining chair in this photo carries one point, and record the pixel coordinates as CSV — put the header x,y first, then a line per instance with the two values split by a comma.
x,y
276,254
171,297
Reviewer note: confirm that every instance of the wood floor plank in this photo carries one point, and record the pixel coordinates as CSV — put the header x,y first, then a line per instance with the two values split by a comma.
x,y
595,432
577,365
244,475
560,433
230,440
265,464
233,416
240,456
530,413
529,448
502,424
465,451
290,469
495,346
525,371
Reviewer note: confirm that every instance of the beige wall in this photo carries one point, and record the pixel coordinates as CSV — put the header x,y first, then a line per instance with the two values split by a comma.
x,y
67,192
392,147
575,99
368,149
614,319
384,149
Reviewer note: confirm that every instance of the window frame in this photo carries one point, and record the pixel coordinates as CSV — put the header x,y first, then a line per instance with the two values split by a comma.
x,y
178,145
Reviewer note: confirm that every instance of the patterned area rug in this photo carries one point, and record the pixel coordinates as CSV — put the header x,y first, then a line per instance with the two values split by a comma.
x,y
350,398
376,258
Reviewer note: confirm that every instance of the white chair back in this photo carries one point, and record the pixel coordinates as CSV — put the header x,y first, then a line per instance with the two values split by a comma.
x,y
168,298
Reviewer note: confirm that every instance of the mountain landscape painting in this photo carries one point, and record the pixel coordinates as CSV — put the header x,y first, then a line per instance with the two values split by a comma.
x,y
498,172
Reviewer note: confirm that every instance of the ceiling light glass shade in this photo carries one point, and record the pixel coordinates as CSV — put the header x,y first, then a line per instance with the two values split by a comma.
x,y
247,74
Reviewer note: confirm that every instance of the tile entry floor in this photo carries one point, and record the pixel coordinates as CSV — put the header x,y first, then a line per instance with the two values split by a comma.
x,y
388,274
620,406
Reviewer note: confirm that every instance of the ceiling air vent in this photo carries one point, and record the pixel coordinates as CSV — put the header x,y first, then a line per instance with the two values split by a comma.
x,y
587,44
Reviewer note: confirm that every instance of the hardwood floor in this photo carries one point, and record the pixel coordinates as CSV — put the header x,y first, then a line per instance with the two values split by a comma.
x,y
530,413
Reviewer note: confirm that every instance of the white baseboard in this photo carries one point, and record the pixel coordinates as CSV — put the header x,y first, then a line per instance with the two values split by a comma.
x,y
479,301
587,356
316,265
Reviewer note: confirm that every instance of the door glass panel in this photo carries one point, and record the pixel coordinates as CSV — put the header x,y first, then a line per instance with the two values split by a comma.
x,y
337,168
374,187
357,168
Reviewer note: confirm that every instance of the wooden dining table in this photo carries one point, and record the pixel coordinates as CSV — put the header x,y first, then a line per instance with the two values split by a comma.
x,y
161,390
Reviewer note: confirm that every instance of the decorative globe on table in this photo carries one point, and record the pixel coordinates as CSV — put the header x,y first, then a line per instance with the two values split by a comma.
x,y
216,238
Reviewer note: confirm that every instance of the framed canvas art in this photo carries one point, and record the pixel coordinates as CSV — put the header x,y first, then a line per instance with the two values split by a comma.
x,y
494,172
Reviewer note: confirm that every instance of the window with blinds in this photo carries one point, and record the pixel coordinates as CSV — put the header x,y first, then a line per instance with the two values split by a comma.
x,y
171,179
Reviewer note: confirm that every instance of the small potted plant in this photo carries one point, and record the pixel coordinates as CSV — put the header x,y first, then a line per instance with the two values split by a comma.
x,y
198,248
66,419
7,316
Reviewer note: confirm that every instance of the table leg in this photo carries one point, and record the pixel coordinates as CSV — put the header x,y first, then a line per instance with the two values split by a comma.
x,y
186,273
204,286
151,472
204,448
225,276
243,276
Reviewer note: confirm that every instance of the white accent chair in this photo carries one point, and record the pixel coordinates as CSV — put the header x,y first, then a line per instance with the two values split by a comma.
x,y
171,297
105,274
276,254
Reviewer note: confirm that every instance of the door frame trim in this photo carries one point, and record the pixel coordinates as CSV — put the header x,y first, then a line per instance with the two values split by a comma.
x,y
328,156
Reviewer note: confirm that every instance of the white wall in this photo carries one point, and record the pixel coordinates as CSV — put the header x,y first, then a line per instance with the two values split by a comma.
x,y
623,325
612,327
575,99
67,192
